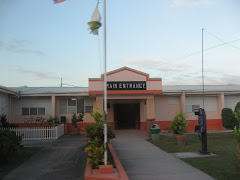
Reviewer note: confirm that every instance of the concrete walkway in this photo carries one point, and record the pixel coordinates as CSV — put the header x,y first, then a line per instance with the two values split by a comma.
x,y
142,160
63,158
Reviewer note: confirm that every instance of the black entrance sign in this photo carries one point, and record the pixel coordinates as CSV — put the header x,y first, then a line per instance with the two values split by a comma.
x,y
126,85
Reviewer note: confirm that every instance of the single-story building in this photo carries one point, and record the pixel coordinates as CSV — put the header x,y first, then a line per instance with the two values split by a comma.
x,y
134,101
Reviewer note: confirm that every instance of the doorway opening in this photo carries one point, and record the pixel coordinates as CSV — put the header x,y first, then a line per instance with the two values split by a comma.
x,y
127,116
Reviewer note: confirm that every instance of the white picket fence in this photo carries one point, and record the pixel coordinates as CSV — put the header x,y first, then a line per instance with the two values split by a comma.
x,y
39,133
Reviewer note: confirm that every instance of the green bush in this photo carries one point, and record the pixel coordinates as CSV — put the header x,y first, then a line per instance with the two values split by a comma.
x,y
9,143
4,122
95,133
75,119
97,129
95,147
228,118
237,107
236,131
179,124
53,121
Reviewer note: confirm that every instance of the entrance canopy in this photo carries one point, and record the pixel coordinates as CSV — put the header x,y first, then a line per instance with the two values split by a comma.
x,y
126,81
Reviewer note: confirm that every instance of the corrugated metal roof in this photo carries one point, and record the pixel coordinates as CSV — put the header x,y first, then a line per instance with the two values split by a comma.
x,y
7,90
166,89
199,88
50,90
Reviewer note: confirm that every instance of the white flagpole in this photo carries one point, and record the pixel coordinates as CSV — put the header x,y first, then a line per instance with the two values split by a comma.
x,y
105,87
202,72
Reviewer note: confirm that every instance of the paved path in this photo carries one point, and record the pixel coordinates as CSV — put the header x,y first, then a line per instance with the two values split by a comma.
x,y
63,158
142,160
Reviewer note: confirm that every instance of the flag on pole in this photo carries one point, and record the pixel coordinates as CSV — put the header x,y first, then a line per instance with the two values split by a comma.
x,y
95,24
58,1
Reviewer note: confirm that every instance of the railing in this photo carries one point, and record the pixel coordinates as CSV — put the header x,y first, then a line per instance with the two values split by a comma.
x,y
39,133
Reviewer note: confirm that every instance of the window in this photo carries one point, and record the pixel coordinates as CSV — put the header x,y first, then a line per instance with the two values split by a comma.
x,y
33,111
80,105
88,109
71,105
25,111
63,106
41,111
72,102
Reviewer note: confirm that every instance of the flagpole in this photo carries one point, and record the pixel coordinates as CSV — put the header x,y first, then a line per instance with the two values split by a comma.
x,y
202,71
105,87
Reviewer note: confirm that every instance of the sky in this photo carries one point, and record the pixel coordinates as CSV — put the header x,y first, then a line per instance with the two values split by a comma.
x,y
42,42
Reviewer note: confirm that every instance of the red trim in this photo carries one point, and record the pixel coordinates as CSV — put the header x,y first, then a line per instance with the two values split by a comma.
x,y
146,80
95,80
123,69
118,172
212,124
154,79
143,126
150,119
127,92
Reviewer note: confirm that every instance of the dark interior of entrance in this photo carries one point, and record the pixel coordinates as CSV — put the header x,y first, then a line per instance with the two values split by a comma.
x,y
127,116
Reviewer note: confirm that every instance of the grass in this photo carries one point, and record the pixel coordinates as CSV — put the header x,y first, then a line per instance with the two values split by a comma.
x,y
17,159
222,167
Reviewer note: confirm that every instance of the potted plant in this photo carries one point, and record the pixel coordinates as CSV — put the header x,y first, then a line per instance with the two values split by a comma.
x,y
53,121
75,119
236,134
178,126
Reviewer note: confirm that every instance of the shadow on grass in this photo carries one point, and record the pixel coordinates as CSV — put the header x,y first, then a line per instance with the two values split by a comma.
x,y
222,167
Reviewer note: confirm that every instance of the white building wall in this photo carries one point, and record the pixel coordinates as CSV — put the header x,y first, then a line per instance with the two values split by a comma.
x,y
32,103
231,101
209,102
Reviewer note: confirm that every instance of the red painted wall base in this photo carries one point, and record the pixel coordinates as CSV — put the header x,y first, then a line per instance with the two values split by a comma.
x,y
212,124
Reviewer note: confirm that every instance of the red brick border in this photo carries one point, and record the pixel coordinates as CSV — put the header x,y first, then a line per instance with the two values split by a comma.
x,y
118,172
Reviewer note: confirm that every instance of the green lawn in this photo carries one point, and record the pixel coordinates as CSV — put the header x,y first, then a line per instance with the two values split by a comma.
x,y
17,159
222,167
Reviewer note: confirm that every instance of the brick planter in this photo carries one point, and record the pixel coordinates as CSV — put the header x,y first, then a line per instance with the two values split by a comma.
x,y
107,172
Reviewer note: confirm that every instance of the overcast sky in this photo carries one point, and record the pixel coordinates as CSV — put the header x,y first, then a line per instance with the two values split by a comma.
x,y
42,42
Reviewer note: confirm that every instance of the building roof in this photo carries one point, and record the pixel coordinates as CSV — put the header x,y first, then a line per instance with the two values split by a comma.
x,y
7,90
50,90
167,89
199,88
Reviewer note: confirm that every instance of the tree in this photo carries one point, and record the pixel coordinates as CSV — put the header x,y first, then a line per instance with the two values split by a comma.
x,y
228,118
237,107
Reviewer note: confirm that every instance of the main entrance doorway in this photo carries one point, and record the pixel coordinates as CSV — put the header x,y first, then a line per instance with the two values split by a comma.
x,y
127,116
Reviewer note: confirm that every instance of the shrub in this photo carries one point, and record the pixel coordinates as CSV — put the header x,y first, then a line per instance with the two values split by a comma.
x,y
96,138
228,118
179,124
97,129
95,147
98,115
9,143
75,119
236,131
53,121
4,122
237,107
